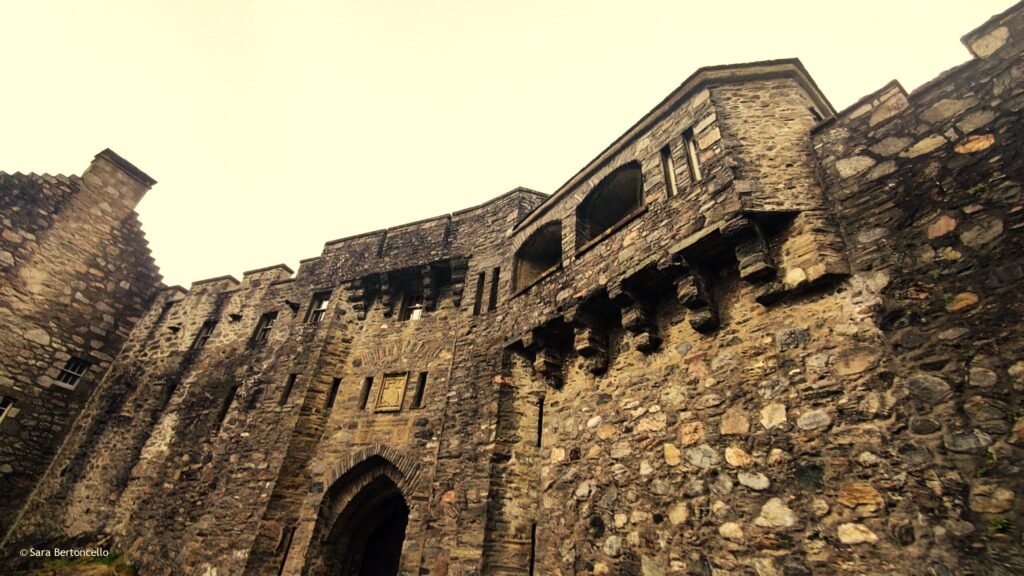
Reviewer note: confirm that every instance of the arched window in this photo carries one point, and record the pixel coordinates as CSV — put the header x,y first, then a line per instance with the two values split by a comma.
x,y
540,253
619,195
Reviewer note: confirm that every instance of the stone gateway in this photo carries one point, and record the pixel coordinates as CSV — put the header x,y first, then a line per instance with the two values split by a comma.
x,y
754,335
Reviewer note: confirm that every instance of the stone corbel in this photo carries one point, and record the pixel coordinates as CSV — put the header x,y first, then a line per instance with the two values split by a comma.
x,y
459,267
637,318
547,359
431,288
755,262
591,342
357,295
548,363
812,253
757,267
694,292
387,295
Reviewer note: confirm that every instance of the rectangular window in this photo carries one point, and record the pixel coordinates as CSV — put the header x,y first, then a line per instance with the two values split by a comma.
x,y
540,420
692,155
226,406
318,307
263,327
492,305
6,405
478,302
364,394
412,306
335,385
72,372
668,168
205,331
421,386
287,392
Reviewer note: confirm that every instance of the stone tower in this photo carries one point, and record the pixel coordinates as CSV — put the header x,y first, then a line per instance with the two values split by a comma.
x,y
75,275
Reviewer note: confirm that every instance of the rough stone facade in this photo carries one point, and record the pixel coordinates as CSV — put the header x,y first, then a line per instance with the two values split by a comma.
x,y
75,275
753,336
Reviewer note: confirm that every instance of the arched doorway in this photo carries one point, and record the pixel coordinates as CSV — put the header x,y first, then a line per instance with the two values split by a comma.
x,y
368,535
361,527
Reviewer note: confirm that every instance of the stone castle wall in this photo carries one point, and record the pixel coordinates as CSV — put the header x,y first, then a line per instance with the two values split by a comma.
x,y
75,275
927,186
802,357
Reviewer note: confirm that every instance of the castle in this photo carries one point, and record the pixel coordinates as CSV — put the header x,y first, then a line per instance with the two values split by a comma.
x,y
755,335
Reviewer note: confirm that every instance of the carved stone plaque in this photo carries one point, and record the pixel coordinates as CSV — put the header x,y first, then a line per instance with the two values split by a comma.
x,y
392,392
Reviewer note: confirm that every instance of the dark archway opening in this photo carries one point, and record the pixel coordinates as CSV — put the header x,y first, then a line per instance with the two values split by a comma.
x,y
539,254
367,537
382,550
613,200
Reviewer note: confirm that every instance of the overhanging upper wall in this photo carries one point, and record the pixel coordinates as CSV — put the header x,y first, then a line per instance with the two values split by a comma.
x,y
703,78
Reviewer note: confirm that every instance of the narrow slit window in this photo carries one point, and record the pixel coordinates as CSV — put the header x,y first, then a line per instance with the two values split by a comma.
x,y
478,300
364,394
533,547
205,331
226,406
169,390
669,169
815,114
318,307
72,372
285,546
287,392
263,327
421,386
335,384
492,304
540,421
6,405
692,156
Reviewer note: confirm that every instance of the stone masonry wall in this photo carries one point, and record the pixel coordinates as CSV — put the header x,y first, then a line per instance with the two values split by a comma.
x,y
928,189
808,360
183,489
75,275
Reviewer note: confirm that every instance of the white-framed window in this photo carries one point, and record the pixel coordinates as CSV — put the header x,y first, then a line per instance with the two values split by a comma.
x,y
412,306
204,334
6,405
72,372
318,307
263,327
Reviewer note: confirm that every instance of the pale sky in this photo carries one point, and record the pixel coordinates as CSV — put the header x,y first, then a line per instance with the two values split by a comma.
x,y
275,126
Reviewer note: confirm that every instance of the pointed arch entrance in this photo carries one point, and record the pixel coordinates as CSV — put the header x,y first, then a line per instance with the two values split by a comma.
x,y
361,527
